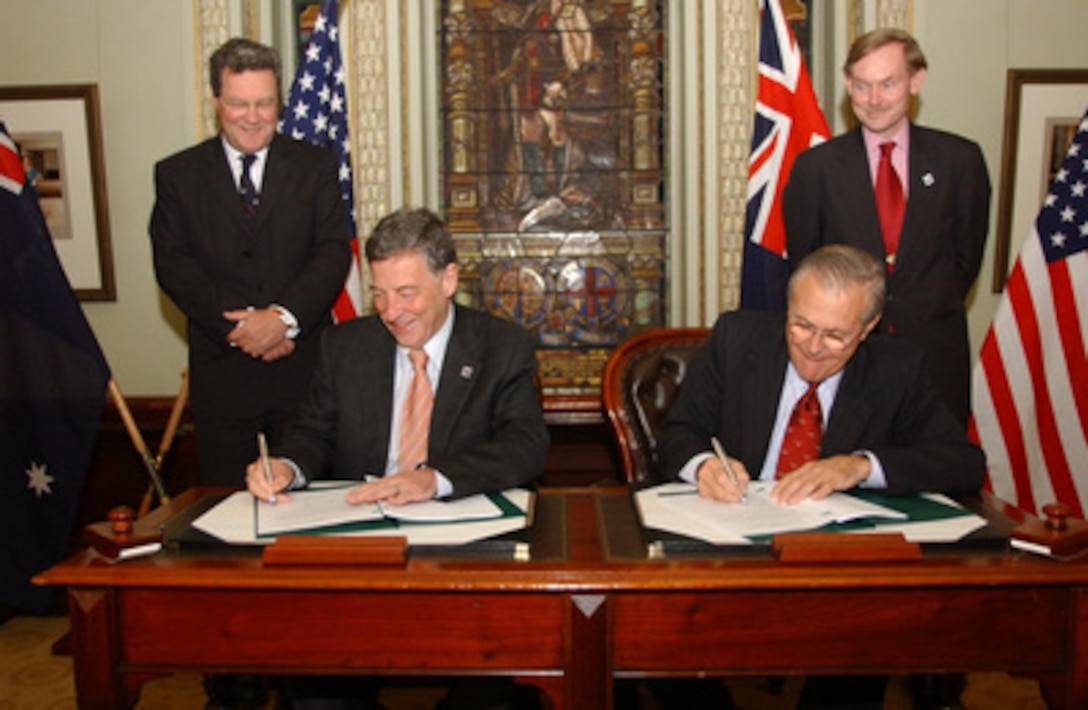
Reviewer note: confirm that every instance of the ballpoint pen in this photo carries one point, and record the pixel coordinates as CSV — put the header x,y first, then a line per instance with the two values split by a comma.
x,y
720,452
262,447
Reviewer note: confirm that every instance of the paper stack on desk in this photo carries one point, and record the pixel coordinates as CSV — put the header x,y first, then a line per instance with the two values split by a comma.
x,y
677,507
326,508
242,520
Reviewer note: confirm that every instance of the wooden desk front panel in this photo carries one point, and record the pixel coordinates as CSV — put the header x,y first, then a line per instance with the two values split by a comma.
x,y
338,631
869,630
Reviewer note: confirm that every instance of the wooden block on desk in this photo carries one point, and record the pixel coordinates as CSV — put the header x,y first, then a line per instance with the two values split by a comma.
x,y
118,538
319,550
843,547
1060,535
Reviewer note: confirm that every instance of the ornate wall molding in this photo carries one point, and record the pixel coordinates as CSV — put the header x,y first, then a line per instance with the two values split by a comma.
x,y
370,109
735,71
894,13
212,28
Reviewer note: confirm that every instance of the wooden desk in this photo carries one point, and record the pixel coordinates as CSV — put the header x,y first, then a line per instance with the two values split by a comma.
x,y
587,607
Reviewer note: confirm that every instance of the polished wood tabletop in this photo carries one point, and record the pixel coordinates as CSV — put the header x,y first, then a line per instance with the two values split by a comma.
x,y
587,605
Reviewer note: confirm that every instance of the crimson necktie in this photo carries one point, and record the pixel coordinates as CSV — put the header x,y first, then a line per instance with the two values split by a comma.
x,y
247,190
890,205
801,443
415,416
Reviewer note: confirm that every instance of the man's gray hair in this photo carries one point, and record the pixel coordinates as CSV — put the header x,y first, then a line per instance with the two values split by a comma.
x,y
417,230
837,267
239,55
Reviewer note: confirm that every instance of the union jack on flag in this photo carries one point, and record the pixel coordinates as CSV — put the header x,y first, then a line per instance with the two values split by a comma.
x,y
788,120
317,111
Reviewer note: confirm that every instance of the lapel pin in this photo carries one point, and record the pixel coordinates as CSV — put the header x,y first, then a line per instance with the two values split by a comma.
x,y
928,180
466,372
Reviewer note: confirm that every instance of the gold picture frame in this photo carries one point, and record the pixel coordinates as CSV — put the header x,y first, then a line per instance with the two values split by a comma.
x,y
59,132
1040,106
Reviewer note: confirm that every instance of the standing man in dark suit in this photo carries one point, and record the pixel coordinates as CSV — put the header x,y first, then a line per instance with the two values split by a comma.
x,y
933,243
881,424
256,278
486,431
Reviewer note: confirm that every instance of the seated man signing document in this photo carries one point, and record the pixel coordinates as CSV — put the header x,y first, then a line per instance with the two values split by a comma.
x,y
428,399
808,399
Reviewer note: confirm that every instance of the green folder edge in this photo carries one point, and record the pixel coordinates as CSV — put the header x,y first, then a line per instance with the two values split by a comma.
x,y
507,508
917,508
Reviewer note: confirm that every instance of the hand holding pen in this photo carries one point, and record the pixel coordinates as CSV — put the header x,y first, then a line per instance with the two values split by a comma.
x,y
262,475
724,484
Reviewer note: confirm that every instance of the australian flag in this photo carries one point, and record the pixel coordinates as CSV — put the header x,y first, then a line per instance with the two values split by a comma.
x,y
788,121
317,111
53,380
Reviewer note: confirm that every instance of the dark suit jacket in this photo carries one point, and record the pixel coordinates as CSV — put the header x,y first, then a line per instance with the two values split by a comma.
x,y
487,431
208,261
885,404
829,200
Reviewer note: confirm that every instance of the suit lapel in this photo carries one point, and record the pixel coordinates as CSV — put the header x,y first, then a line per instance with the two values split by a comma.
x,y
379,391
857,179
924,174
851,409
768,372
272,183
460,372
222,185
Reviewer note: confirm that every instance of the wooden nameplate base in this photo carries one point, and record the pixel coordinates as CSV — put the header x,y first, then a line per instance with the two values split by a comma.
x,y
1059,535
843,547
118,538
320,550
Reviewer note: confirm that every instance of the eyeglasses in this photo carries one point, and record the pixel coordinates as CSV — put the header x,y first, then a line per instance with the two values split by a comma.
x,y
834,340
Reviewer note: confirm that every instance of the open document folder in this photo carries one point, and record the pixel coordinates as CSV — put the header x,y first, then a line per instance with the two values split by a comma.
x,y
240,519
677,508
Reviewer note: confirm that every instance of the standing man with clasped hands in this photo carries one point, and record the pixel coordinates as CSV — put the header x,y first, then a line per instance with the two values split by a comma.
x,y
250,239
914,197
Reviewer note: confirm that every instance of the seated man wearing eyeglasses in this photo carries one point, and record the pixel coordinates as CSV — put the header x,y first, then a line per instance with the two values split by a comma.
x,y
807,398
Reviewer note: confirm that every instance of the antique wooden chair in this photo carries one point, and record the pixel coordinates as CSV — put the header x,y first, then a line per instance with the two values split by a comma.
x,y
640,383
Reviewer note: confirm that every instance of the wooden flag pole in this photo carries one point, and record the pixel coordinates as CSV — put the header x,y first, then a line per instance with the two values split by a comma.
x,y
167,441
137,439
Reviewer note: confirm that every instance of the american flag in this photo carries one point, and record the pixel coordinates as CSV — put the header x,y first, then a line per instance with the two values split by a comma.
x,y
317,111
1031,380
788,120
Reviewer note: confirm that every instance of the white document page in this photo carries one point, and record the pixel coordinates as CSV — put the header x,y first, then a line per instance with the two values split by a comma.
x,y
762,516
233,520
313,508
477,507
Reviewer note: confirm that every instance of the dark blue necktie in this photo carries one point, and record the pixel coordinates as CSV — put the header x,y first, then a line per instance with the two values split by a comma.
x,y
248,191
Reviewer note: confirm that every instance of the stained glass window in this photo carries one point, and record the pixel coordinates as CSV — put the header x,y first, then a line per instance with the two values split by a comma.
x,y
553,171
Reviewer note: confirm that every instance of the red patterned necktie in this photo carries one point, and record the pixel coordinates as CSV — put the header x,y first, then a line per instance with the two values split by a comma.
x,y
415,416
890,205
247,190
803,434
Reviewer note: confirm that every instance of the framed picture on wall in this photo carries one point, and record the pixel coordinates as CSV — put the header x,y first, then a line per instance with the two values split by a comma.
x,y
58,131
1042,110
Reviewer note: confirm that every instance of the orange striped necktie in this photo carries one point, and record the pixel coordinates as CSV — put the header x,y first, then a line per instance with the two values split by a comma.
x,y
415,416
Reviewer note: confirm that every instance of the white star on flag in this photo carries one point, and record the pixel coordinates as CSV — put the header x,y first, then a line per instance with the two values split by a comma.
x,y
38,480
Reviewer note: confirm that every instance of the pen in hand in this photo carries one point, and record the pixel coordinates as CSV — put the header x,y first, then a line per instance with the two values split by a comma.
x,y
262,447
720,453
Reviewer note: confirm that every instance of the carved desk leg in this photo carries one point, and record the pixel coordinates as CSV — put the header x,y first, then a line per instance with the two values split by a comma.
x,y
588,676
93,615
